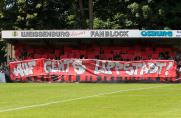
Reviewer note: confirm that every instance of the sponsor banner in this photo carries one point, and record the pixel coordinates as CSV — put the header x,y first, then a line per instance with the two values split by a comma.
x,y
36,34
157,33
21,34
177,33
160,33
93,68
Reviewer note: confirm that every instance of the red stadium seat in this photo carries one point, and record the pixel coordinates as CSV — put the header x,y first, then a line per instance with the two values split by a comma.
x,y
154,56
116,51
36,56
63,56
30,50
51,56
108,56
57,53
45,56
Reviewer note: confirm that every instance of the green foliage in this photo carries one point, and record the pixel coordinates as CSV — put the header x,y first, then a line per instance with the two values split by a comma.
x,y
36,14
146,10
69,14
71,20
136,14
134,7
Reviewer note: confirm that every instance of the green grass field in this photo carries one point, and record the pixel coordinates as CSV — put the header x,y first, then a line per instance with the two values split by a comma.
x,y
90,100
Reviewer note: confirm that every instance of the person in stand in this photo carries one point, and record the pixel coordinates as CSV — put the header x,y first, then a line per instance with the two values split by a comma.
x,y
161,56
82,57
167,56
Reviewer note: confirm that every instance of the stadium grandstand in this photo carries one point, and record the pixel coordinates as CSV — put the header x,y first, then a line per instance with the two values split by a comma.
x,y
94,55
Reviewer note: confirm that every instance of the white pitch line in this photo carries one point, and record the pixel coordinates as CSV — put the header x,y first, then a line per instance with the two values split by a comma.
x,y
79,98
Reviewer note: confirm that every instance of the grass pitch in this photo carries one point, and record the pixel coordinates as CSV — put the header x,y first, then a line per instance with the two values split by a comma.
x,y
104,101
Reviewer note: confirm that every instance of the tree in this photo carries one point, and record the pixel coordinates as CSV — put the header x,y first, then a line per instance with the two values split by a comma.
x,y
73,14
37,14
136,14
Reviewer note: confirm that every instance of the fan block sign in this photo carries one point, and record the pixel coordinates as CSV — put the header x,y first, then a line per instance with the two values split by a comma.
x,y
95,68
109,33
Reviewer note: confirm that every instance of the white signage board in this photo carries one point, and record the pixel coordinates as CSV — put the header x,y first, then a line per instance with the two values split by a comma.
x,y
123,33
2,78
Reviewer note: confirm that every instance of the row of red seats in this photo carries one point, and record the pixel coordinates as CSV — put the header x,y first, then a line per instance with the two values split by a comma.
x,y
94,52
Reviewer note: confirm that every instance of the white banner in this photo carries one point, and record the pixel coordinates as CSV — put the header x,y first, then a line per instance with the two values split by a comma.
x,y
46,34
35,34
2,78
